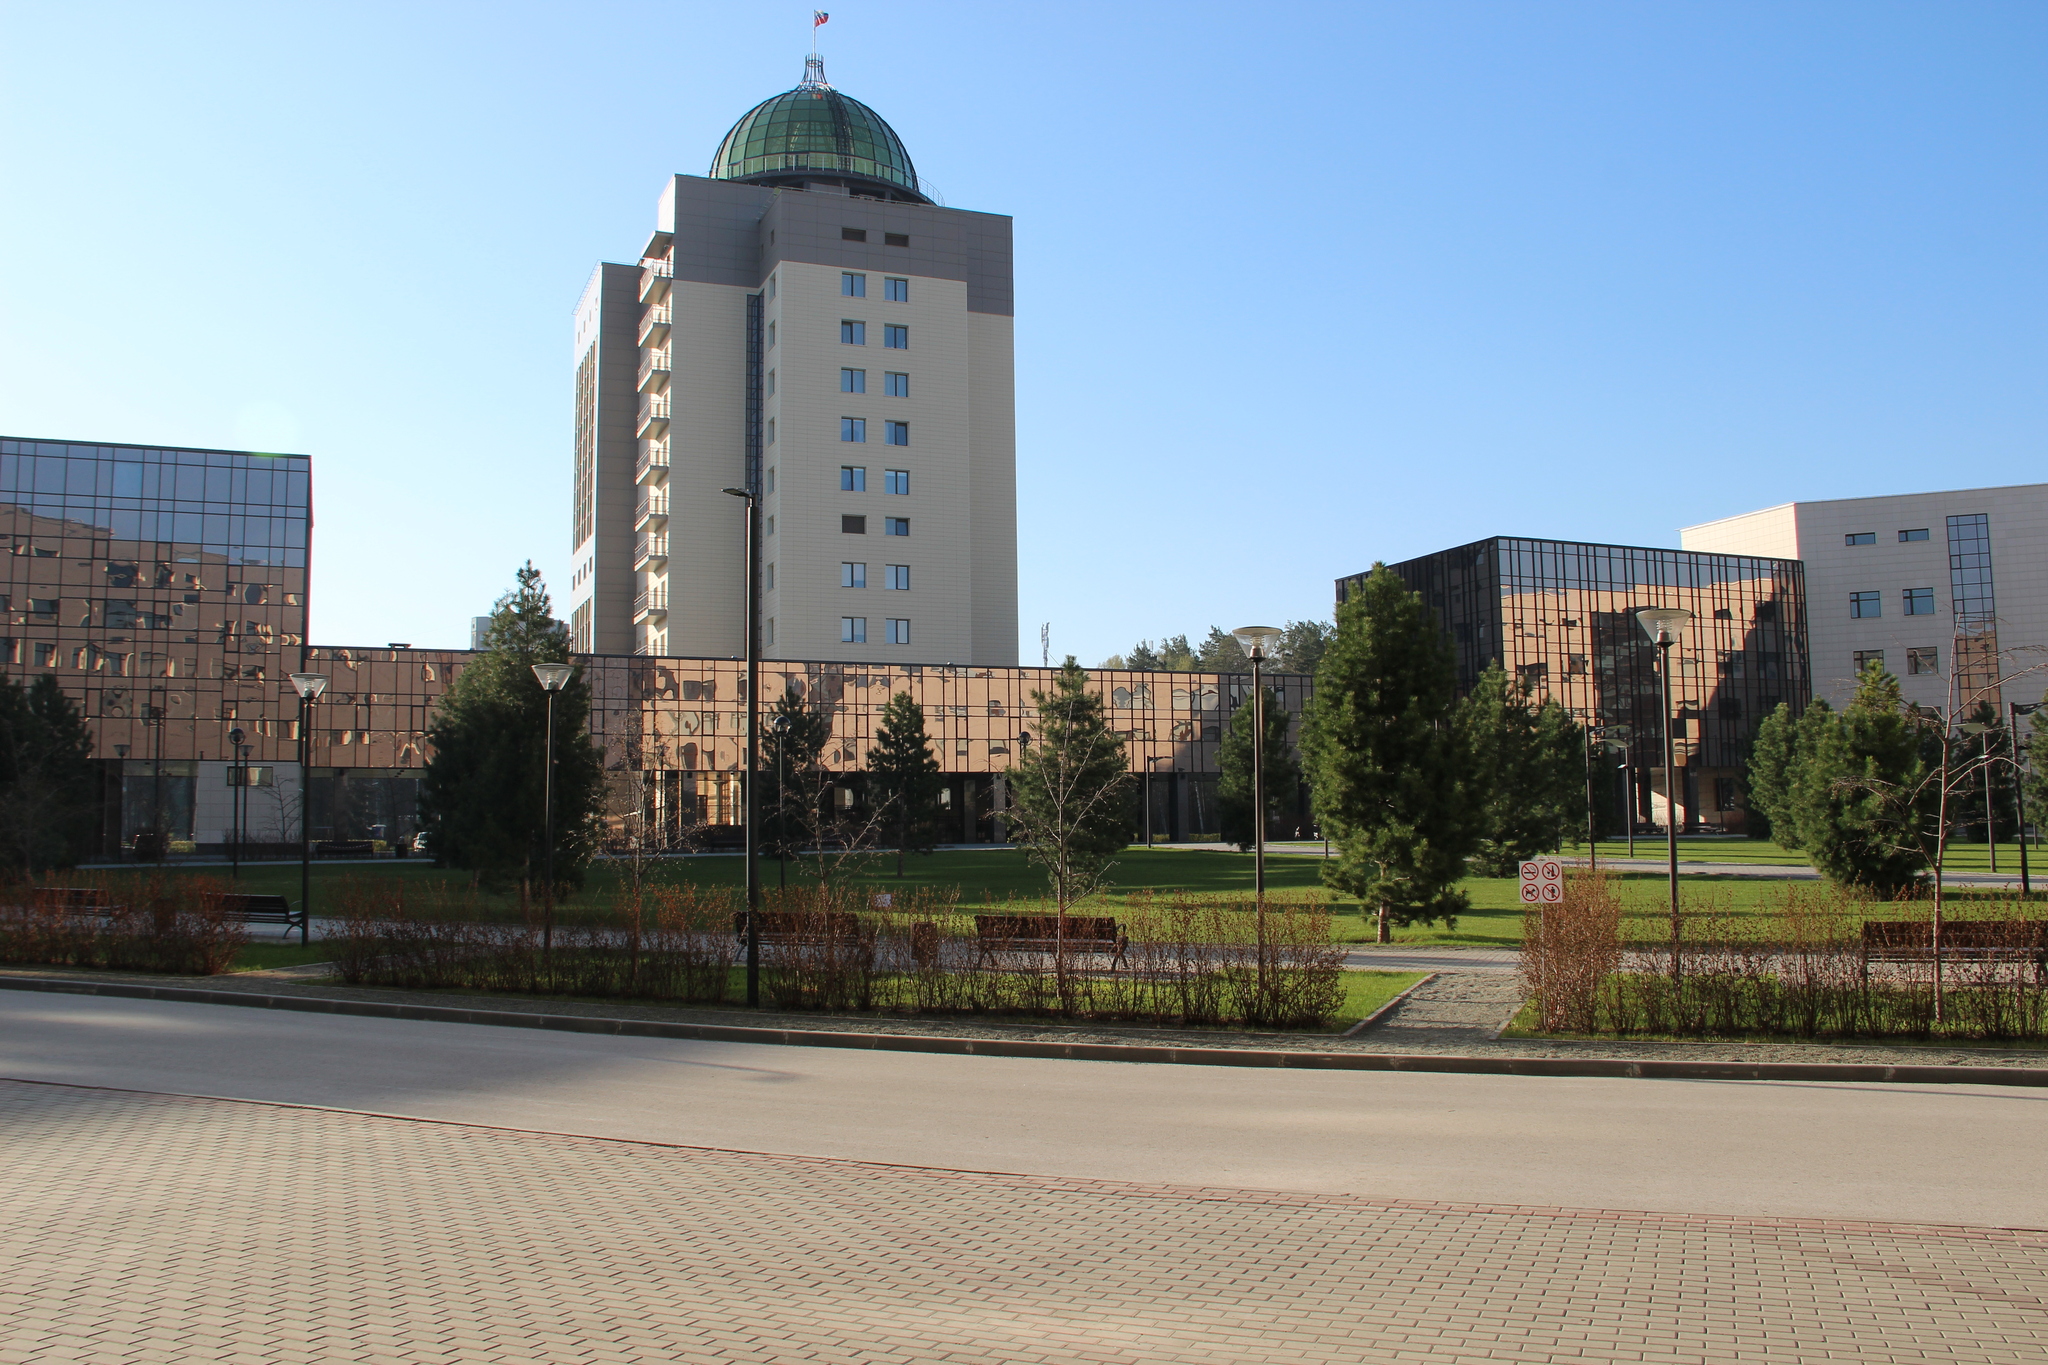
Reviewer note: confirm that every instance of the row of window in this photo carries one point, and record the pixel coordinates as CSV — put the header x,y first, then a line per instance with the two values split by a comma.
x,y
858,526
855,286
855,429
853,478
894,384
895,336
1864,606
847,234
1918,661
895,577
853,630
1870,537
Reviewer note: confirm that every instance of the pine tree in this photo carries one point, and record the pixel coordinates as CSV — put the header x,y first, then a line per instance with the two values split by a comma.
x,y
1861,789
1514,778
1234,786
1773,763
49,788
1385,761
483,794
903,778
793,735
1302,645
1071,789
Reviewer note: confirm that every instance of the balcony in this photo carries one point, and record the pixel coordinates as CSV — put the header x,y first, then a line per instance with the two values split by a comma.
x,y
652,604
651,509
652,466
654,371
653,421
654,325
650,549
654,280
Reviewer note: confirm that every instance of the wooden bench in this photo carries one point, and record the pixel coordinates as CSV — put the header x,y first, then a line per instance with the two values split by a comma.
x,y
344,848
258,910
998,934
75,900
825,929
1970,940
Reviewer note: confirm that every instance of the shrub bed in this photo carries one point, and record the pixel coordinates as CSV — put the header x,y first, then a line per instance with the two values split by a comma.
x,y
159,923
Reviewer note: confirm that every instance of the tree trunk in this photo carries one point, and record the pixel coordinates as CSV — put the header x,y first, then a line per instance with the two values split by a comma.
x,y
1386,934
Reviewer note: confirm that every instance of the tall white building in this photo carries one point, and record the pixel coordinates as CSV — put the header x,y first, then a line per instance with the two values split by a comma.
x,y
1923,583
807,323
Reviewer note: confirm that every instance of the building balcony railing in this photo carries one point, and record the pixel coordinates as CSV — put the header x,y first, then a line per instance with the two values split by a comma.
x,y
654,280
654,371
653,416
652,466
651,509
650,547
653,602
654,325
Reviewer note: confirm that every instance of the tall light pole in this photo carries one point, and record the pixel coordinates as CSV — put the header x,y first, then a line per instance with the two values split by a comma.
x,y
309,687
1593,733
240,771
753,815
1664,625
1255,641
552,678
2019,788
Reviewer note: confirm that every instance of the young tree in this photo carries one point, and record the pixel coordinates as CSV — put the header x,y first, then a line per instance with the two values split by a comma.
x,y
1302,646
483,793
1860,791
1234,786
1773,765
793,737
1385,761
1070,791
1527,772
903,778
49,789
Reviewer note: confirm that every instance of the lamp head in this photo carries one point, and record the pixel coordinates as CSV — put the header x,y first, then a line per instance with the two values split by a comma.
x,y
309,685
235,736
1664,624
739,492
780,725
554,677
1257,641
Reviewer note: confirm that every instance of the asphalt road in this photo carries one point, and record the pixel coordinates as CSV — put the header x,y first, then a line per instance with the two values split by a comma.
x,y
1938,1154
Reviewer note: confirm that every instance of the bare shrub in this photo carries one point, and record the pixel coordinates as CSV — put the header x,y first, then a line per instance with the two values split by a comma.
x,y
1569,951
157,923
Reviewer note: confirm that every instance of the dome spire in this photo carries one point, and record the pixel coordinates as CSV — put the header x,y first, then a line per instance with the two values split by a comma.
x,y
814,74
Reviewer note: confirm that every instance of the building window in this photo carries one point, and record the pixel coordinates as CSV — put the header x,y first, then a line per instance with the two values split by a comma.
x,y
853,630
853,234
771,336
771,630
1863,605
771,578
771,526
771,287
853,333
853,526
896,337
771,478
853,478
1918,533
896,433
896,577
853,286
771,383
1866,657
895,239
1923,661
1860,538
853,575
853,429
853,381
897,630
1733,663
771,431
1724,794
1919,601
895,526
895,385
895,290
895,481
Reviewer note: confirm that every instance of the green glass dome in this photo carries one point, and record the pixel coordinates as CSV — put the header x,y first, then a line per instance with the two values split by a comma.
x,y
814,133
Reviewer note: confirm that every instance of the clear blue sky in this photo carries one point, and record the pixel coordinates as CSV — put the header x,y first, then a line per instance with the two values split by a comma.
x,y
1299,286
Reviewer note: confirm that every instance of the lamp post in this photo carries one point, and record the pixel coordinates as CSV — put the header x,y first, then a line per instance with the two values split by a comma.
x,y
309,687
780,725
1593,734
1255,641
1620,739
552,678
1664,625
240,772
2020,751
753,815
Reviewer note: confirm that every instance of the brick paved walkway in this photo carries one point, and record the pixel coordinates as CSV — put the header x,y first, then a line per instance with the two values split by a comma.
x,y
152,1228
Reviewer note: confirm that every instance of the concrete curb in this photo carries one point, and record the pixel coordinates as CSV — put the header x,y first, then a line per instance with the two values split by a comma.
x,y
1093,1052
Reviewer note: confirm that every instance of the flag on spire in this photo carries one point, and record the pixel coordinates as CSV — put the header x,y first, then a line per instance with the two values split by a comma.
x,y
818,17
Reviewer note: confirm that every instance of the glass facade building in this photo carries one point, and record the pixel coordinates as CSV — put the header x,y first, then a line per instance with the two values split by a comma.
x,y
1559,617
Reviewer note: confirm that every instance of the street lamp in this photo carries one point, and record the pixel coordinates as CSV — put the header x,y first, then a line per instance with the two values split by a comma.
x,y
553,678
780,725
2020,752
1664,625
753,815
1255,641
309,687
240,771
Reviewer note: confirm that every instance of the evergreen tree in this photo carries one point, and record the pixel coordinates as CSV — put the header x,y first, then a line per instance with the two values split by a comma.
x,y
1773,765
1385,761
904,779
1071,789
1862,788
1302,645
1234,786
791,777
1527,772
483,793
49,788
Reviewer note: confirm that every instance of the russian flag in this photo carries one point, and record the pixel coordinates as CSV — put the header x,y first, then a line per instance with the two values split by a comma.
x,y
818,17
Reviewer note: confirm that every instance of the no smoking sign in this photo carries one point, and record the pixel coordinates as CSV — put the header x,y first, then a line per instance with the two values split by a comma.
x,y
1543,881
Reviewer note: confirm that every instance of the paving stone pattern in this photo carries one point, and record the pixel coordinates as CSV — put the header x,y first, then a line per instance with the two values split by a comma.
x,y
153,1228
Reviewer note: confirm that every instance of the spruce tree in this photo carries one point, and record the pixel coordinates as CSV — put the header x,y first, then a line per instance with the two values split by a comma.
x,y
1071,789
482,797
1861,789
1385,761
1234,785
1773,765
1527,772
793,735
903,778
49,788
